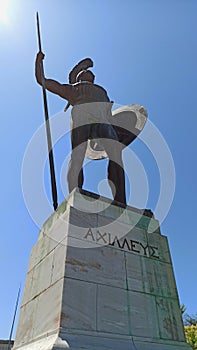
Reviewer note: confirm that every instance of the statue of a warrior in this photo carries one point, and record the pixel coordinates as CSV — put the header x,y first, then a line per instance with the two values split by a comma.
x,y
94,129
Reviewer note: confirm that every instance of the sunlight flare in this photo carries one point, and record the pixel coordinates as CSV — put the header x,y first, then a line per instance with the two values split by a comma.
x,y
4,11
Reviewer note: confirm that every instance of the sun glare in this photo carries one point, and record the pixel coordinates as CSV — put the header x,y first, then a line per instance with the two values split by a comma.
x,y
4,11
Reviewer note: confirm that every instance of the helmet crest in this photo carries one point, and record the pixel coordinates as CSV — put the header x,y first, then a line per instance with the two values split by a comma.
x,y
82,65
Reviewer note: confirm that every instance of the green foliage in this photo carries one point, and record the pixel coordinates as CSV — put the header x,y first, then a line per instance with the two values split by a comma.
x,y
191,335
190,326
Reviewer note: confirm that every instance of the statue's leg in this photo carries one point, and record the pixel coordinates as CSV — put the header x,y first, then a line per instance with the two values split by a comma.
x,y
116,178
79,138
113,148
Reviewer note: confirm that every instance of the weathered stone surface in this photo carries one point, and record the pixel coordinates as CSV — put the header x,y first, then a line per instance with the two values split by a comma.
x,y
26,324
135,280
169,315
42,248
28,287
47,271
40,316
42,274
131,216
158,278
100,280
49,342
98,265
58,267
143,315
120,230
112,310
161,243
145,345
104,342
47,315
80,219
79,305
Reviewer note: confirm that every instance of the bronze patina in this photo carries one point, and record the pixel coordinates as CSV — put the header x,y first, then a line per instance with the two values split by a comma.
x,y
96,131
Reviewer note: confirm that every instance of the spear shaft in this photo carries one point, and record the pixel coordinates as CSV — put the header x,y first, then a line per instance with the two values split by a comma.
x,y
16,307
47,124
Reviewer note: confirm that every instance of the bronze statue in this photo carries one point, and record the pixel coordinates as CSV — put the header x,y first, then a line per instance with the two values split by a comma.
x,y
92,125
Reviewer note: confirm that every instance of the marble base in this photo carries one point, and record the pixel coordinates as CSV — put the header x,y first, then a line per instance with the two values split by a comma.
x,y
100,277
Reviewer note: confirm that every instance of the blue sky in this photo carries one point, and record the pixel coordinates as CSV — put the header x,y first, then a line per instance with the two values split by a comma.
x,y
145,52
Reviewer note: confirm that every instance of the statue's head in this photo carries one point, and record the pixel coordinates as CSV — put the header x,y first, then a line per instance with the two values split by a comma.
x,y
85,75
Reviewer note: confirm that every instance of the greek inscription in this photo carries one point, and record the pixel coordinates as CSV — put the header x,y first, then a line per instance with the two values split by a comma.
x,y
145,249
153,251
122,246
89,233
100,236
114,241
125,244
133,246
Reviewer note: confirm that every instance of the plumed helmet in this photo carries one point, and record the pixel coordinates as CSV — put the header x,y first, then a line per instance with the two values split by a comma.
x,y
83,65
74,75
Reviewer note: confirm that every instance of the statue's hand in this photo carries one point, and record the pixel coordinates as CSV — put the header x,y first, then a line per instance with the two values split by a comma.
x,y
38,68
40,56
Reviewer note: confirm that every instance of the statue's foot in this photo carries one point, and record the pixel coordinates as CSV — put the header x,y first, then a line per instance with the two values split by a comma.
x,y
119,203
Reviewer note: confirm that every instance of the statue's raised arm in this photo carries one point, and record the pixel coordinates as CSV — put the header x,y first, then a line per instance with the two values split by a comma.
x,y
63,90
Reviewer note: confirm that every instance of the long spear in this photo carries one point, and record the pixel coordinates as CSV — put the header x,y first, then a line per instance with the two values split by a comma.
x,y
48,131
16,307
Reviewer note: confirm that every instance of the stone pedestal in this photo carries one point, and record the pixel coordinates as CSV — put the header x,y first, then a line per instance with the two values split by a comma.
x,y
100,277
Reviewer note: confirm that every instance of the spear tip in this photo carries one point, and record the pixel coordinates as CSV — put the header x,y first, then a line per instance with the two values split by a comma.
x,y
38,30
37,17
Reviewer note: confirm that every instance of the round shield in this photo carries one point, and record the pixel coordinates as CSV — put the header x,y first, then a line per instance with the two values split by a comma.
x,y
128,121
